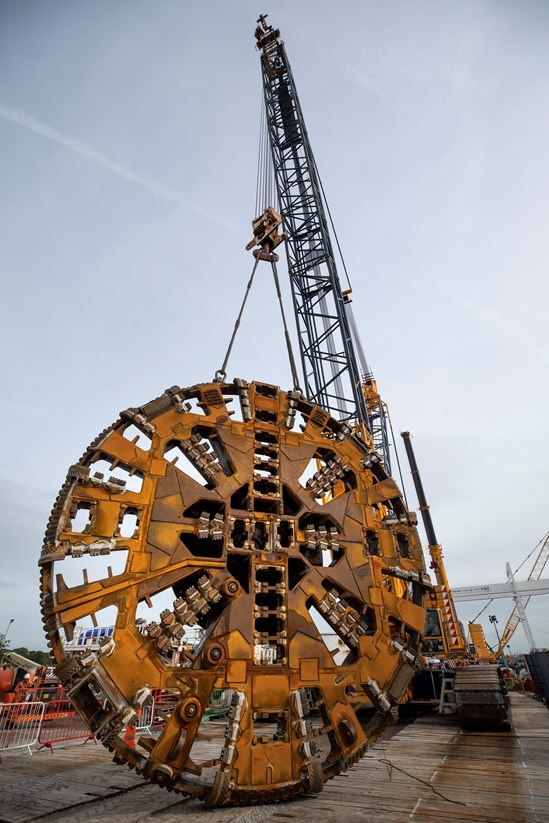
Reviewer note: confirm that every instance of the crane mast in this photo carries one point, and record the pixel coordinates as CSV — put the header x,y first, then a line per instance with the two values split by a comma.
x,y
337,377
452,635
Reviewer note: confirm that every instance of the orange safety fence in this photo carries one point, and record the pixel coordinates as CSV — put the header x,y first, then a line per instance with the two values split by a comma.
x,y
47,693
49,721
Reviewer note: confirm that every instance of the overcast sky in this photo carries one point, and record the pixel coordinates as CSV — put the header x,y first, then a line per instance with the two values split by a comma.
x,y
128,145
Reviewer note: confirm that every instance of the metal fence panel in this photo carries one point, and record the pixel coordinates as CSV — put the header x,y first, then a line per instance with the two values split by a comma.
x,y
164,704
61,723
166,701
146,717
20,725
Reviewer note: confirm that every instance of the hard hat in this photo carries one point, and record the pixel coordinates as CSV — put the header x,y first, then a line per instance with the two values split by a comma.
x,y
27,676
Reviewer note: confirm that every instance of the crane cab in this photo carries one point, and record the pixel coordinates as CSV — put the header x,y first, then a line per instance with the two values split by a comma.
x,y
434,644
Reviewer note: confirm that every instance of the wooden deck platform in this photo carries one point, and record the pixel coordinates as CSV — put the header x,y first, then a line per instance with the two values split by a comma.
x,y
429,772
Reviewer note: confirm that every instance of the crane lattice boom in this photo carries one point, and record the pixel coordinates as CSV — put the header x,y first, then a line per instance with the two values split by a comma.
x,y
517,614
333,375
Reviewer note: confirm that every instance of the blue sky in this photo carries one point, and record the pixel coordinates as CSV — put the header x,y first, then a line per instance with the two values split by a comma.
x,y
128,138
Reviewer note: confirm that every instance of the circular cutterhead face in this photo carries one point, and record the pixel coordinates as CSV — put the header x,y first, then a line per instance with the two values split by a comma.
x,y
242,554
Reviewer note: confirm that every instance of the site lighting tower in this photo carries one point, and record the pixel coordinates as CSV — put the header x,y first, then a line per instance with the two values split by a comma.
x,y
493,619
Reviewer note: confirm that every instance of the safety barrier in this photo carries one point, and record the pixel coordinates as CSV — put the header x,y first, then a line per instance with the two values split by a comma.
x,y
46,694
157,709
23,725
60,723
164,704
20,725
146,717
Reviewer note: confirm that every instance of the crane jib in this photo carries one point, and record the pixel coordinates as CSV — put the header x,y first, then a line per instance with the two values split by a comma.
x,y
333,377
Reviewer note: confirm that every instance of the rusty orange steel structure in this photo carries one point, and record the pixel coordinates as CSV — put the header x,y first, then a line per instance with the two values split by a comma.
x,y
250,547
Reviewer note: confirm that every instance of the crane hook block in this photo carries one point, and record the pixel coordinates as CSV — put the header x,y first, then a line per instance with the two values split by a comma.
x,y
266,231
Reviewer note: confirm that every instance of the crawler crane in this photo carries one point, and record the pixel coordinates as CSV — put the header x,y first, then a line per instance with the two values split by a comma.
x,y
476,693
330,349
329,343
255,547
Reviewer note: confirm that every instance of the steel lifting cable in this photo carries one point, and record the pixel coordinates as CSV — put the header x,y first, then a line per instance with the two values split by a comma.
x,y
396,455
259,153
222,373
516,570
531,553
269,175
291,358
332,223
264,195
259,195
474,620
265,171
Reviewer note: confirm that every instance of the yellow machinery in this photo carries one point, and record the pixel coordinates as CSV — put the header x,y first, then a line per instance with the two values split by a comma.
x,y
249,550
478,640
443,631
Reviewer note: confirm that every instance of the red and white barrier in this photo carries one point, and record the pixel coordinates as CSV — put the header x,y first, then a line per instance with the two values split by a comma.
x,y
45,723
164,704
60,724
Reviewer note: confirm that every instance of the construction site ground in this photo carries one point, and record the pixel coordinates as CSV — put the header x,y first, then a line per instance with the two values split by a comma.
x,y
427,771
